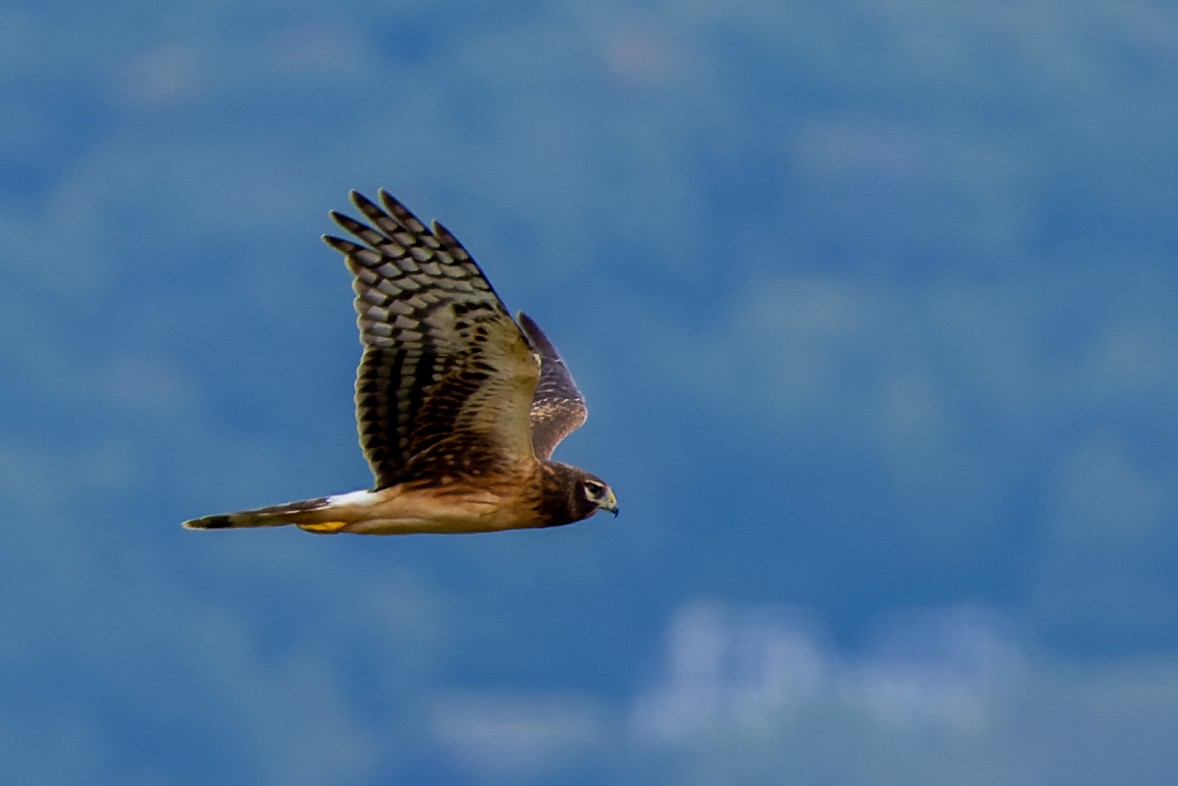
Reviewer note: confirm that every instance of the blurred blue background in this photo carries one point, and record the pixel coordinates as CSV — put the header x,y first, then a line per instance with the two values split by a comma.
x,y
875,305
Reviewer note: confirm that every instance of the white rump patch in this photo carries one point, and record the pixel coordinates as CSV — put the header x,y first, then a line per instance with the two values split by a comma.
x,y
354,498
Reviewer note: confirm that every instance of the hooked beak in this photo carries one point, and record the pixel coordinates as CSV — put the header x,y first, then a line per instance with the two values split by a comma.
x,y
610,503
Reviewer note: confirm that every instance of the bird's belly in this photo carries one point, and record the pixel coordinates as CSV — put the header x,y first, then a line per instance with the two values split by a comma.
x,y
406,514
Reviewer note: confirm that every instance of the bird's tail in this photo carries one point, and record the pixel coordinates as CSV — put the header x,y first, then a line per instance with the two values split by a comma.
x,y
306,514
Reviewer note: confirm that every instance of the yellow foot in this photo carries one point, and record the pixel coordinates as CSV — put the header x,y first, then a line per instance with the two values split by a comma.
x,y
324,527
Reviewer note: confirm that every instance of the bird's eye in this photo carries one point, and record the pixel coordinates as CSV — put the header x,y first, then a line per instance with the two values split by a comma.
x,y
594,489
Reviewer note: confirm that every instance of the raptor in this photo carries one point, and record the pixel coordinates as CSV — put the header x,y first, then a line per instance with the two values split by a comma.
x,y
458,405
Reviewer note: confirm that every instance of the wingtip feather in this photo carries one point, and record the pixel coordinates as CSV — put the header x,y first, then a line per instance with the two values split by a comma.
x,y
538,339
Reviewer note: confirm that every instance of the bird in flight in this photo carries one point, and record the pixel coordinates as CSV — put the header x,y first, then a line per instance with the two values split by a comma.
x,y
458,405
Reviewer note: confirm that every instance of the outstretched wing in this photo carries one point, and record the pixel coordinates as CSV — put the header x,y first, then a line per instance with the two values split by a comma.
x,y
446,379
558,408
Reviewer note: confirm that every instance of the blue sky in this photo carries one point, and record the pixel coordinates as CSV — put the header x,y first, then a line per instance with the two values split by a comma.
x,y
875,308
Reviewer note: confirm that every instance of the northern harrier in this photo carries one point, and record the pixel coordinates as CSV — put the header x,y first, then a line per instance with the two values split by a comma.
x,y
458,406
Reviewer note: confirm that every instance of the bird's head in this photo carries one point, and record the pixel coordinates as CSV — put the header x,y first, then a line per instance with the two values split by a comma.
x,y
596,492
571,494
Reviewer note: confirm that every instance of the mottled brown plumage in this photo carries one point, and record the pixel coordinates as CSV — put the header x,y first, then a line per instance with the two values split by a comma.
x,y
458,406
